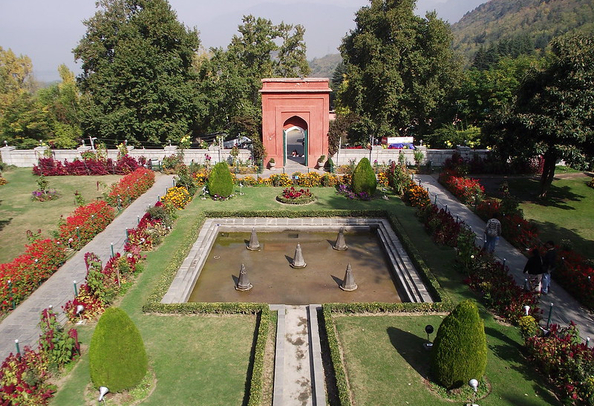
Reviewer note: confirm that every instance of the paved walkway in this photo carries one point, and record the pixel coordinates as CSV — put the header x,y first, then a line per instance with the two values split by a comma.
x,y
21,324
564,307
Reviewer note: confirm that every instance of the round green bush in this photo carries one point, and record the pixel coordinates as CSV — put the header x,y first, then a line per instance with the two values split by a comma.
x,y
220,181
459,351
364,180
117,358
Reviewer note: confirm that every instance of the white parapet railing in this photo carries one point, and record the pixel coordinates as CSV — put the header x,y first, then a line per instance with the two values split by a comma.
x,y
434,157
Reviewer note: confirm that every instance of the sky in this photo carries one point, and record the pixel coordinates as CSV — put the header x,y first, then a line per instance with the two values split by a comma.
x,y
47,30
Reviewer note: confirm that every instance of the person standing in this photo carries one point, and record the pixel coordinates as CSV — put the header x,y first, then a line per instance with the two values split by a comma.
x,y
548,262
534,269
492,233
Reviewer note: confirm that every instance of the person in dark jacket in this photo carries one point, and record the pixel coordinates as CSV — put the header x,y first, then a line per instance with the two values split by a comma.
x,y
534,269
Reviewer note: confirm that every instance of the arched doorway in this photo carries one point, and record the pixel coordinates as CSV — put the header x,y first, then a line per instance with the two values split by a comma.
x,y
295,141
293,110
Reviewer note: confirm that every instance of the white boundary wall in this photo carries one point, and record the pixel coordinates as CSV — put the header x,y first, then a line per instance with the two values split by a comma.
x,y
28,158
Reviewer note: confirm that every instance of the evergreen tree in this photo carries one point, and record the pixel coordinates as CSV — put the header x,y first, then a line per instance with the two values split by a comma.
x,y
459,351
137,73
364,180
117,358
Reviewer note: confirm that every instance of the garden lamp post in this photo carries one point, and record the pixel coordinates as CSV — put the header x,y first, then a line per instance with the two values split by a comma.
x,y
473,383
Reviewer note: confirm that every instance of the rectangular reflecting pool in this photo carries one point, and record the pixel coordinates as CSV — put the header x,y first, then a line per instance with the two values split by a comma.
x,y
275,281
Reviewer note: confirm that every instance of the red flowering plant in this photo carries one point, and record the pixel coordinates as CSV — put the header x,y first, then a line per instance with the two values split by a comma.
x,y
85,223
20,277
514,228
576,276
498,288
442,226
130,187
467,190
567,362
24,379
92,305
294,196
90,164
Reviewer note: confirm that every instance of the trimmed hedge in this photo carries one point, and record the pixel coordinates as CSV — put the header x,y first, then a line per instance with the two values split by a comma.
x,y
220,181
117,358
364,180
460,348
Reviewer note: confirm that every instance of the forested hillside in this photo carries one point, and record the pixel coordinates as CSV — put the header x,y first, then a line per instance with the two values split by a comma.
x,y
324,67
518,24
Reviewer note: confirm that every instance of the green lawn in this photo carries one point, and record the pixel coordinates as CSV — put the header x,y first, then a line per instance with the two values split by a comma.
x,y
204,359
567,213
18,213
387,364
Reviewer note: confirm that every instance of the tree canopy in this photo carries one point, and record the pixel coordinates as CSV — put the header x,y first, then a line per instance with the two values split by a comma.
x,y
553,113
232,78
399,67
137,80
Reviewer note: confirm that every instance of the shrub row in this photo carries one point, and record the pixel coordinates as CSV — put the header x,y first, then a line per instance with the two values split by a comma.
x,y
88,165
568,363
84,224
20,277
130,187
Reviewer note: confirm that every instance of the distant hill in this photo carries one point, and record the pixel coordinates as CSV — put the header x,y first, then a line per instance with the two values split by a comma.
x,y
324,67
537,21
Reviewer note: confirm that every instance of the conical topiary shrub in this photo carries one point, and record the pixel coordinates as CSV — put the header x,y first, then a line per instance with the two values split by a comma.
x,y
460,348
220,181
364,180
117,358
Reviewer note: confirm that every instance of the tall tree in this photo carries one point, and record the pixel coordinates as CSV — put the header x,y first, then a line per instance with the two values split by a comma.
x,y
231,79
137,73
399,67
62,101
553,114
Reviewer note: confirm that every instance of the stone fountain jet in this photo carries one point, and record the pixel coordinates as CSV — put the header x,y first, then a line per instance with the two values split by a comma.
x,y
348,284
243,284
254,244
298,261
340,244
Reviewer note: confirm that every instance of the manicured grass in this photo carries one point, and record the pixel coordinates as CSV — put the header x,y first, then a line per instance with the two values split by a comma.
x,y
566,214
18,213
204,359
386,363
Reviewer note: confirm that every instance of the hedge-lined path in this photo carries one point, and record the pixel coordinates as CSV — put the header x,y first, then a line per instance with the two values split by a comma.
x,y
565,307
21,323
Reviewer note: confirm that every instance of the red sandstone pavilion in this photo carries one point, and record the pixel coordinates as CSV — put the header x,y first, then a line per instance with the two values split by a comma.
x,y
295,120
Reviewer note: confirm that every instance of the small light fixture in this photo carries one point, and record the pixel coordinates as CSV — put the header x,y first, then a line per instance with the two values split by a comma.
x,y
79,309
102,392
527,310
473,383
428,329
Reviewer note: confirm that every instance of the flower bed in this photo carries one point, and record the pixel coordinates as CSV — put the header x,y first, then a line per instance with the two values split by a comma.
x,y
567,363
465,189
85,223
24,377
89,165
177,197
20,277
294,196
130,187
